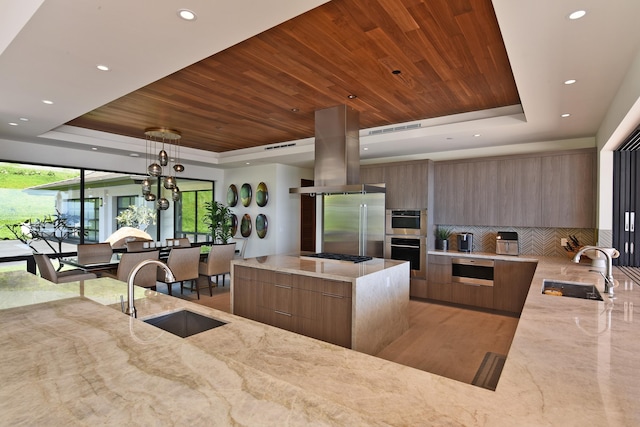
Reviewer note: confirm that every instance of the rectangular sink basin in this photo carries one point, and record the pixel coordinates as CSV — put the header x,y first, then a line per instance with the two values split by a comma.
x,y
570,289
184,323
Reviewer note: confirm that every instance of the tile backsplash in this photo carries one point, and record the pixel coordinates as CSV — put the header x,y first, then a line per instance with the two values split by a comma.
x,y
532,241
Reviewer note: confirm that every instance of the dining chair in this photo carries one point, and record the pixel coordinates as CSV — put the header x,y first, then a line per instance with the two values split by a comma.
x,y
183,262
48,271
218,263
139,246
94,253
146,277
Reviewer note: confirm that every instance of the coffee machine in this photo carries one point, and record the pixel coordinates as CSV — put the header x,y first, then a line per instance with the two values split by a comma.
x,y
465,242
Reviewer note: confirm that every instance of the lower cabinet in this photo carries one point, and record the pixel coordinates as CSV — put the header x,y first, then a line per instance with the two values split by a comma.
x,y
311,306
439,278
472,294
511,283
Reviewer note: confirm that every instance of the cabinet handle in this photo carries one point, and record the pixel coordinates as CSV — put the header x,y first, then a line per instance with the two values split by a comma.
x,y
283,313
283,286
332,295
632,222
626,221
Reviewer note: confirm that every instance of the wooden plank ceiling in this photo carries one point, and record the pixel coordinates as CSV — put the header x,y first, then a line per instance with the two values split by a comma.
x,y
405,60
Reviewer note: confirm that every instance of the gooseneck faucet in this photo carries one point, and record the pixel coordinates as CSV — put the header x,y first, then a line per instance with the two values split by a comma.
x,y
608,276
131,308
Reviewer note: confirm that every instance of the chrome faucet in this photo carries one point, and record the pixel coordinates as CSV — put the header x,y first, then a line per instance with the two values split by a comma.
x,y
608,276
131,308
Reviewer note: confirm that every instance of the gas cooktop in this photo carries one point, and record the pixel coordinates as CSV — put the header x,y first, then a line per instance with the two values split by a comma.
x,y
341,257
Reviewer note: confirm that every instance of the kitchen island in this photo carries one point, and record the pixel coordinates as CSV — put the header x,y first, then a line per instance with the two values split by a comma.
x,y
70,357
362,306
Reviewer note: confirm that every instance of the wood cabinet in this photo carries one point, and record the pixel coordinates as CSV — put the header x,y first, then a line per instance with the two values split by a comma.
x,y
472,294
512,280
520,190
315,307
439,278
407,183
511,283
568,198
372,174
548,190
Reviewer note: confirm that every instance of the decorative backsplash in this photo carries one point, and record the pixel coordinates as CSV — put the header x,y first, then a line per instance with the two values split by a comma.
x,y
532,241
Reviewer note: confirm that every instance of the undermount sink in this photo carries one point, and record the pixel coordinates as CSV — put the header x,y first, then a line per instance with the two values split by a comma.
x,y
184,323
570,289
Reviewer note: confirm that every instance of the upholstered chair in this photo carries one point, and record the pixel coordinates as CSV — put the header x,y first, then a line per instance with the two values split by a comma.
x,y
218,263
48,271
94,253
139,246
183,262
146,277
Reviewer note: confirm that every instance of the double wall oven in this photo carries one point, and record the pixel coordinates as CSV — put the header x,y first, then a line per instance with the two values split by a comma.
x,y
406,239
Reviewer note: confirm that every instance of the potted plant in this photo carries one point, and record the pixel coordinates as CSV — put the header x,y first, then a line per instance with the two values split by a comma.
x,y
442,238
218,218
137,217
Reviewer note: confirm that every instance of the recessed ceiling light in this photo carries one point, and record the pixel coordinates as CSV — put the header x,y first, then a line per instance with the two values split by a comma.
x,y
46,101
396,72
24,119
13,124
248,163
295,110
570,81
187,14
565,115
577,14
366,148
352,96
94,148
134,155
102,67
476,135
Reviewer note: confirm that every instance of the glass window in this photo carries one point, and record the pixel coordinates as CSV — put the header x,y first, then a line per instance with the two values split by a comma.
x,y
42,208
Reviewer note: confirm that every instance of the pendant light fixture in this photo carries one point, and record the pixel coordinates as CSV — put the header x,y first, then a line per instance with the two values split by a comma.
x,y
172,137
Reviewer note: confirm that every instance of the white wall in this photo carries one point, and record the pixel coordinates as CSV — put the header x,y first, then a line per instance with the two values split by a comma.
x,y
282,209
623,116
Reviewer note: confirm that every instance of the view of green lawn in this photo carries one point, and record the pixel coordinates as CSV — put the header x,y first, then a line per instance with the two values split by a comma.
x,y
17,205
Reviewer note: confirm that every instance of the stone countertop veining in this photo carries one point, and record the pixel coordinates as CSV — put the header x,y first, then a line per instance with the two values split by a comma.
x,y
75,361
318,267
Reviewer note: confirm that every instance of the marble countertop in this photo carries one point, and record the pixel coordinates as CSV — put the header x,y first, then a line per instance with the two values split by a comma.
x,y
318,267
75,359
485,255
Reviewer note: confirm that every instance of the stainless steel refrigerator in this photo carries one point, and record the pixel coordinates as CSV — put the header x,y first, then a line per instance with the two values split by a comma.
x,y
353,224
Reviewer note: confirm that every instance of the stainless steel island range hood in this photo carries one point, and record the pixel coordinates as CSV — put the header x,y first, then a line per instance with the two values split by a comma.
x,y
337,154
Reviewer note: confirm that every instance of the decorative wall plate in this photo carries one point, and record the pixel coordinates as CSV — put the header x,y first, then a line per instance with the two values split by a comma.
x,y
245,225
245,194
234,224
261,225
232,195
262,195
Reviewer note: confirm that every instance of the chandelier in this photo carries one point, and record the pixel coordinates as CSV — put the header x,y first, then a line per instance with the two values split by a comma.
x,y
155,136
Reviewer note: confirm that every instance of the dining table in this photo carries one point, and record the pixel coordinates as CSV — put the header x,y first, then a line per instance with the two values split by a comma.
x,y
95,263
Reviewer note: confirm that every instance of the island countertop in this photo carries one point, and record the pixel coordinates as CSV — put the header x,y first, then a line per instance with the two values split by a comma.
x,y
76,360
318,267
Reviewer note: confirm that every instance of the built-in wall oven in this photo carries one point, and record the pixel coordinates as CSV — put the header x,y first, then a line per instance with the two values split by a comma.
x,y
408,248
406,222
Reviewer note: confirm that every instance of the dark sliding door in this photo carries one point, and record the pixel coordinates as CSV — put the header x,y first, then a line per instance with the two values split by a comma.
x,y
626,207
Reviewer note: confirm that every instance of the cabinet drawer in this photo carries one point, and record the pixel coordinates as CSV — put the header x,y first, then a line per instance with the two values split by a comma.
x,y
474,295
241,272
335,287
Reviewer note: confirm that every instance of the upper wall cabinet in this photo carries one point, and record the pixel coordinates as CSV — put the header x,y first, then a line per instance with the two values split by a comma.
x,y
546,190
520,190
406,183
569,190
